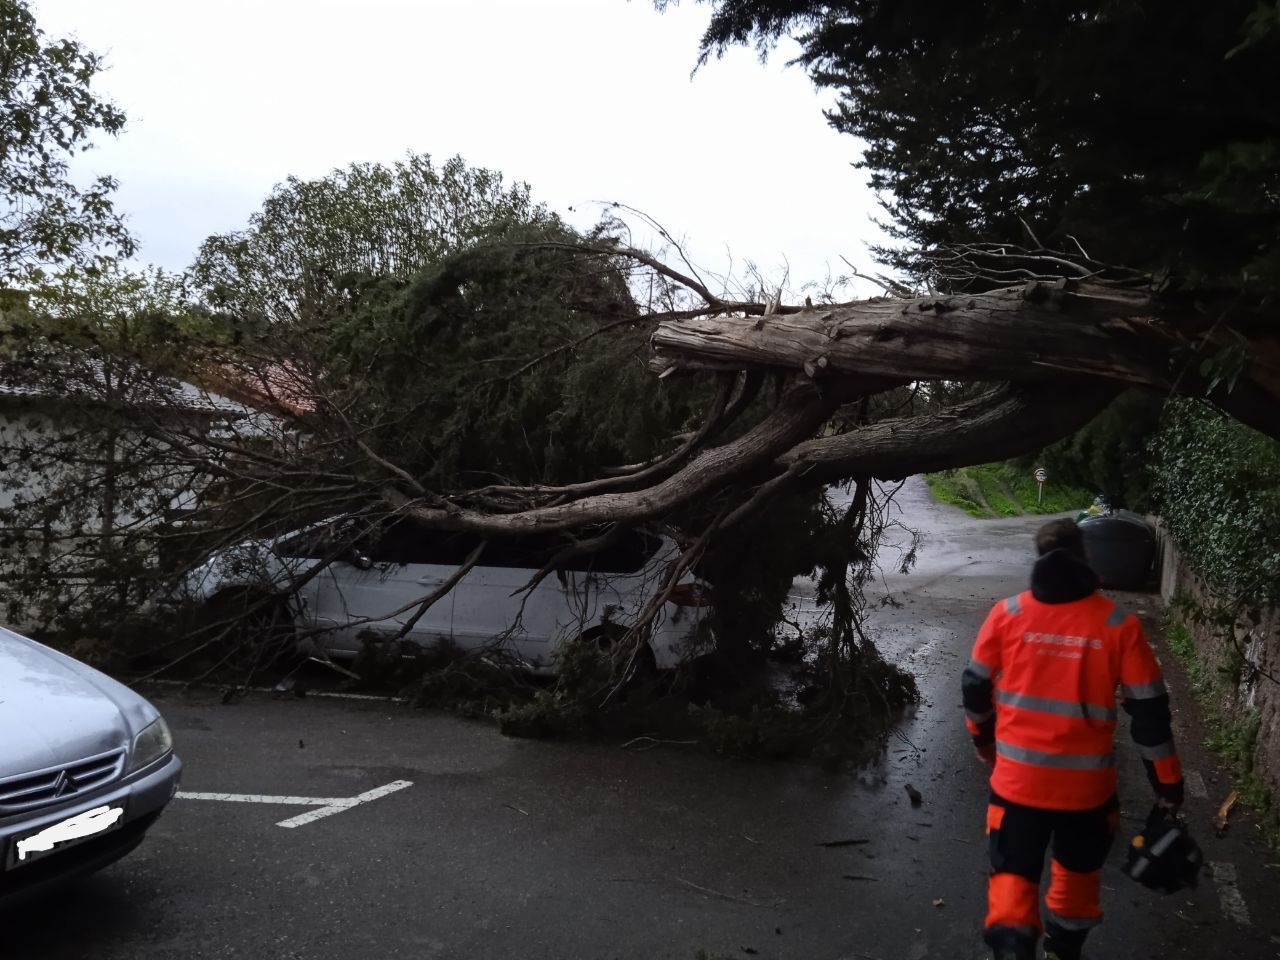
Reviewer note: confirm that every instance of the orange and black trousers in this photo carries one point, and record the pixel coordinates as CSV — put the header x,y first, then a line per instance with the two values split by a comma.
x,y
1018,837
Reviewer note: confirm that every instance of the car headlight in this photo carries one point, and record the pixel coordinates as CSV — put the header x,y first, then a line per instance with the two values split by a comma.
x,y
150,745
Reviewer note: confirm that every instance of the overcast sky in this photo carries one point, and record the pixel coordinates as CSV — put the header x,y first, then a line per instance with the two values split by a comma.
x,y
586,100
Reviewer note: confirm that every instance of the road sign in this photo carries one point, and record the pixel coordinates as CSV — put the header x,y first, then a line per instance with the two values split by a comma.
x,y
1041,476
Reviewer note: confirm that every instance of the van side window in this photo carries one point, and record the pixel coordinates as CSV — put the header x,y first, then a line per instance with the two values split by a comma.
x,y
628,555
318,543
403,541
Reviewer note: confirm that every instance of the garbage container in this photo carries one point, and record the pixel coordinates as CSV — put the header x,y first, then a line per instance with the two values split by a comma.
x,y
1121,547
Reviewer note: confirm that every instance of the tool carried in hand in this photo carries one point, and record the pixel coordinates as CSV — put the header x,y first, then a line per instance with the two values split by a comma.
x,y
1163,856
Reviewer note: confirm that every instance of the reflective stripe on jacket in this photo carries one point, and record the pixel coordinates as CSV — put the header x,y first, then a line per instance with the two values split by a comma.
x,y
1042,683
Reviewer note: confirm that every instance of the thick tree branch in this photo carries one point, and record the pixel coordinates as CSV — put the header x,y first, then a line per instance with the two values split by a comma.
x,y
1017,333
1011,420
803,408
1037,332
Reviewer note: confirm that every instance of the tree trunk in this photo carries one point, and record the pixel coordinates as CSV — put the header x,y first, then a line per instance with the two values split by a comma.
x,y
1039,332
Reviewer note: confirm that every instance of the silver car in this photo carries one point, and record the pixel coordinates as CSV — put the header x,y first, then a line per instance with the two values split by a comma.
x,y
86,766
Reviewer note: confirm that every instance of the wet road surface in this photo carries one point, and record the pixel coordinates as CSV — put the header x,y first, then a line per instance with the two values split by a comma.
x,y
527,849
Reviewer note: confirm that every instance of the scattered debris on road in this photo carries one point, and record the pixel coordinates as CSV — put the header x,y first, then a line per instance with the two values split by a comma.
x,y
850,842
726,896
648,743
1224,812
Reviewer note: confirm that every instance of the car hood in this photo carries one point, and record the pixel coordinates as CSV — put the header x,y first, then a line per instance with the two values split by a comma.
x,y
56,710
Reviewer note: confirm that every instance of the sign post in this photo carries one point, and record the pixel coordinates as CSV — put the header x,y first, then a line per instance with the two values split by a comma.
x,y
1041,476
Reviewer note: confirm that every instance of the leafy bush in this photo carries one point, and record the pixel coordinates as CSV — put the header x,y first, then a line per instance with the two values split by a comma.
x,y
1217,486
1109,455
769,730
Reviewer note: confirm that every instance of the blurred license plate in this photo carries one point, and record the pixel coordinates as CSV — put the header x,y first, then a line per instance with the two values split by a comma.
x,y
29,847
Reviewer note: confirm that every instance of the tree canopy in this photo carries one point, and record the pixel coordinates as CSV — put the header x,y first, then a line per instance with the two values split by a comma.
x,y
448,317
48,114
313,239
1147,132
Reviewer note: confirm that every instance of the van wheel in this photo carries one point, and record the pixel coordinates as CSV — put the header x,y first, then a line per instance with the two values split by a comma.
x,y
245,633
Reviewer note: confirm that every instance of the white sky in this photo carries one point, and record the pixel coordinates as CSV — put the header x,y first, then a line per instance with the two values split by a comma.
x,y
587,100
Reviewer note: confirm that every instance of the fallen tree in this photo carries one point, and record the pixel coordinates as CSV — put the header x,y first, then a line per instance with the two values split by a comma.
x,y
491,382
1054,353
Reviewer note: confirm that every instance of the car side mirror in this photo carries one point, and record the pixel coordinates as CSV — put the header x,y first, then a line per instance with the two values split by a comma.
x,y
359,559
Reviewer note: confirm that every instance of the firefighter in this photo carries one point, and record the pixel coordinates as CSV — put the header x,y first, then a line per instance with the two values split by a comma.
x,y
1040,702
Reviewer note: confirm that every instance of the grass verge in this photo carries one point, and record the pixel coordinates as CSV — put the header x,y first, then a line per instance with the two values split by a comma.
x,y
1002,490
1234,737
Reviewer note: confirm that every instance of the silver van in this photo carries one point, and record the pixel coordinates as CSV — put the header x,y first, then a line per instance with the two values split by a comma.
x,y
345,581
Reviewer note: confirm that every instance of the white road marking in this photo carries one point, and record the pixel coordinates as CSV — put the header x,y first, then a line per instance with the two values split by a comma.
x,y
1233,905
262,798
325,806
1195,784
345,804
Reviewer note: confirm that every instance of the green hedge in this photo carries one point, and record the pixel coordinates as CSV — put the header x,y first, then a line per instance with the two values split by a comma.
x,y
1216,484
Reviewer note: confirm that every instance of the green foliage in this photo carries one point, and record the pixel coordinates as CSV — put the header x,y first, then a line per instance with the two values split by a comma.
x,y
978,117
1203,679
47,115
314,242
1003,490
768,730
123,317
519,360
1234,736
461,327
1110,455
1217,486
958,489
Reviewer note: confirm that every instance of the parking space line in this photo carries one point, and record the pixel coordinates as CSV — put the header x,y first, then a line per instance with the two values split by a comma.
x,y
1233,905
325,806
261,798
346,804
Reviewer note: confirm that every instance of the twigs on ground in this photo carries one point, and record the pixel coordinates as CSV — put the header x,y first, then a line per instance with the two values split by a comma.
x,y
648,743
720,895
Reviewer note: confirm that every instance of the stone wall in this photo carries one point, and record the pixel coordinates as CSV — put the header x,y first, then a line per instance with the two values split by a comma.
x,y
1234,667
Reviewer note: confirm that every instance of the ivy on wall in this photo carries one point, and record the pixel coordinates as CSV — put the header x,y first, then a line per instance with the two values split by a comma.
x,y
1216,484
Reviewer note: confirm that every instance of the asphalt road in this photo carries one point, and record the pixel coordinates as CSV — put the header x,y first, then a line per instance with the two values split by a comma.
x,y
527,849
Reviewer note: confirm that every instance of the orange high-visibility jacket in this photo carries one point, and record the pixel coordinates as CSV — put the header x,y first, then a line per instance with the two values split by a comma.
x,y
1042,683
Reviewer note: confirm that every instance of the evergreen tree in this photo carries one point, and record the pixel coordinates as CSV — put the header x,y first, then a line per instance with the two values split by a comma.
x,y
1147,131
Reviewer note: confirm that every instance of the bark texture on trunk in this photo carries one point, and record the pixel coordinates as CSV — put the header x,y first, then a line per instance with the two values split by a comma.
x,y
1018,333
1034,333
